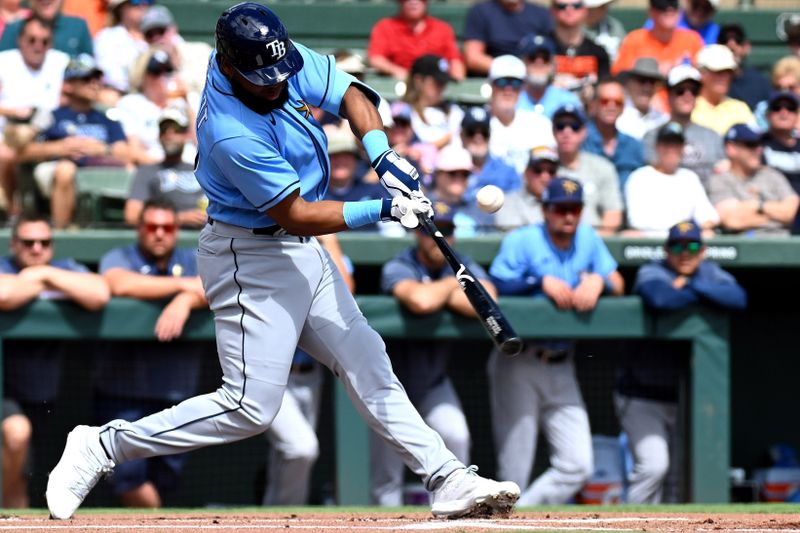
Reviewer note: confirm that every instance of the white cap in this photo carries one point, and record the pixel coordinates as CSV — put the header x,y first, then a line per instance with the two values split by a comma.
x,y
507,66
452,158
597,3
341,140
716,57
681,73
175,114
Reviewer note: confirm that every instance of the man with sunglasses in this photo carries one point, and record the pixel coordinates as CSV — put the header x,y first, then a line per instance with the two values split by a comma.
x,y
32,369
70,34
524,206
781,145
579,61
566,261
135,379
749,84
751,198
646,395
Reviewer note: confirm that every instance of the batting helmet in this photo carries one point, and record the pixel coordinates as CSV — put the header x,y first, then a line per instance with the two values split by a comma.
x,y
255,42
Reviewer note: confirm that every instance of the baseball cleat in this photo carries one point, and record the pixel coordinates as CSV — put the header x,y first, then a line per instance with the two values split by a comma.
x,y
466,494
81,466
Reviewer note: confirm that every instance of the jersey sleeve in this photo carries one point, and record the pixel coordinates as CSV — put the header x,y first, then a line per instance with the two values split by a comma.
x,y
256,169
114,259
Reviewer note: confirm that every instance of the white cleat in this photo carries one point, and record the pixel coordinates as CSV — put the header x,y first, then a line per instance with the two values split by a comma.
x,y
81,466
466,494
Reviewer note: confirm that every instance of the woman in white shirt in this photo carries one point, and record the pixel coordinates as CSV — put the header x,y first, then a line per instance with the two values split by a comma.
x,y
117,47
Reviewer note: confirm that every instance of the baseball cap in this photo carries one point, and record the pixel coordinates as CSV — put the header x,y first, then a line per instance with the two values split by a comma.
x,y
686,230
571,110
443,213
156,17
401,111
533,43
542,153
596,3
432,65
716,58
731,31
742,133
671,133
82,66
507,66
175,114
341,141
785,96
159,63
681,73
452,158
476,118
663,5
563,191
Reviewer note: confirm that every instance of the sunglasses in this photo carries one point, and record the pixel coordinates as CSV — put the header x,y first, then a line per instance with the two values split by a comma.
x,y
472,132
166,228
542,169
457,173
680,247
502,83
573,125
738,39
680,91
619,102
155,33
563,6
566,209
44,41
29,243
781,105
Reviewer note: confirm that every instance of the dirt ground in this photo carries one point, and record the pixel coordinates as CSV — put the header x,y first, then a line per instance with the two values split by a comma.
x,y
418,522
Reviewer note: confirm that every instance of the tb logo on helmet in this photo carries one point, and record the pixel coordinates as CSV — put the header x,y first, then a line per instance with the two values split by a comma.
x,y
277,49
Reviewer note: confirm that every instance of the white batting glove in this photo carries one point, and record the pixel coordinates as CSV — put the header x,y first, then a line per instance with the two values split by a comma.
x,y
405,210
396,174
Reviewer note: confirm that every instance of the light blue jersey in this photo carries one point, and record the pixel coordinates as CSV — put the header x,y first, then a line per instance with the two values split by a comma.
x,y
528,253
248,162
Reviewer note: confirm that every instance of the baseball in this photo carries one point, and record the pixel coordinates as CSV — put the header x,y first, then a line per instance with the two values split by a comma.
x,y
490,198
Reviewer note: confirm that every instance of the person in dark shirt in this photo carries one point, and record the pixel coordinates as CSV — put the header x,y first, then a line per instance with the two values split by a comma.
x,y
781,145
749,84
580,62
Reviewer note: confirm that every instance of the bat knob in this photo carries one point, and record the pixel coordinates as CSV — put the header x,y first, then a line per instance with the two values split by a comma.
x,y
512,346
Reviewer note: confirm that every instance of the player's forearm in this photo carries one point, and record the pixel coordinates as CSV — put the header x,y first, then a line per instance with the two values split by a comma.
x,y
88,290
302,218
16,292
362,114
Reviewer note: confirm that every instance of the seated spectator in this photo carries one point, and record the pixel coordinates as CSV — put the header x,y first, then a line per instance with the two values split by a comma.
x,y
70,34
662,194
171,178
487,169
134,379
646,395
665,42
641,112
785,78
396,42
513,132
749,84
602,195
702,150
495,28
580,62
540,94
433,119
76,135
602,136
32,370
11,11
118,46
781,146
714,108
698,16
453,167
524,207
604,29
403,141
751,198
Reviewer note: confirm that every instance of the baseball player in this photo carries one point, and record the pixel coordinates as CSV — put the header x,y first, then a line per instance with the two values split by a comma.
x,y
566,261
262,163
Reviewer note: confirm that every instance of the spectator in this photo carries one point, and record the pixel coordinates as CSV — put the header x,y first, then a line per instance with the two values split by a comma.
x,y
751,198
70,34
32,370
92,11
420,279
134,379
495,28
11,11
600,183
171,178
118,46
662,194
513,132
603,138
30,78
579,61
781,147
403,141
702,151
604,29
641,113
396,42
714,108
785,78
665,42
698,16
524,207
76,135
566,261
486,168
540,94
433,119
749,84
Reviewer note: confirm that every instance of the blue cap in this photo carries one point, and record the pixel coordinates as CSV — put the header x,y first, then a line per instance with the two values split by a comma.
x,y
671,132
784,95
742,133
476,117
570,109
685,231
533,43
82,66
563,191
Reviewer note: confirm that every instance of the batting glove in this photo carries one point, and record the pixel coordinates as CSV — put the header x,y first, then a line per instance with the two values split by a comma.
x,y
405,210
397,175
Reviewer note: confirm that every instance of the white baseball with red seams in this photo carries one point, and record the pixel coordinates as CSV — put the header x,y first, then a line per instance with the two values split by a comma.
x,y
490,198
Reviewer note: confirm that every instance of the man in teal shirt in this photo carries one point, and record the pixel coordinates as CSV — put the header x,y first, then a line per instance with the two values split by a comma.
x,y
70,34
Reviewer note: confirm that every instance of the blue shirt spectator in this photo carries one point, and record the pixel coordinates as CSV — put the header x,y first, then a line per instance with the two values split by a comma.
x,y
628,154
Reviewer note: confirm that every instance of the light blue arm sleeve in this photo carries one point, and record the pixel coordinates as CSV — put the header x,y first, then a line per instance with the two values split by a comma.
x,y
256,169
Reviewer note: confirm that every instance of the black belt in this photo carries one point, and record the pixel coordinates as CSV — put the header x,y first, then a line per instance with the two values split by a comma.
x,y
551,356
271,231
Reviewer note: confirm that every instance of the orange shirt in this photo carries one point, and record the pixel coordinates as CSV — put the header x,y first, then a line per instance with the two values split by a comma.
x,y
640,43
94,12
